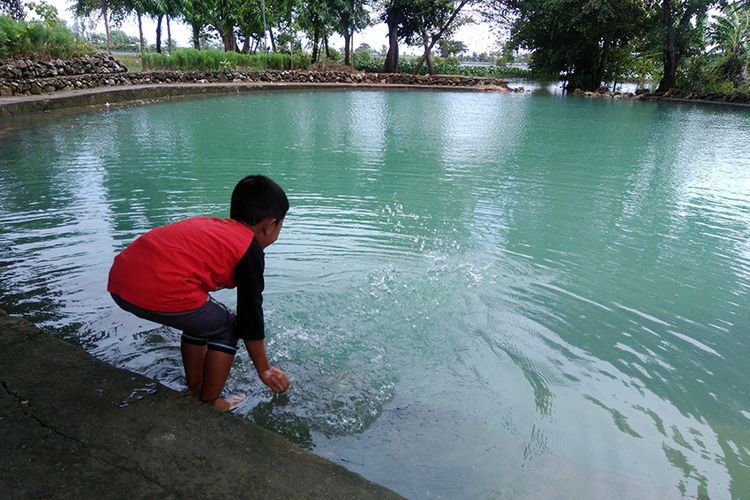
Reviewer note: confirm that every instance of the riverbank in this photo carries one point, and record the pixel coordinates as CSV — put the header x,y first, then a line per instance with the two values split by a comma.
x,y
104,97
34,78
73,426
671,95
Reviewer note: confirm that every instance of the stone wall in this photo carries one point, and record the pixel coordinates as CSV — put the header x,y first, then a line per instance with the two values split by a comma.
x,y
26,69
26,77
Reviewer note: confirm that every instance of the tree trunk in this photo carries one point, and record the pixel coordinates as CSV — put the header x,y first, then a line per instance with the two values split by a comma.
x,y
227,38
273,42
325,44
674,41
169,35
671,59
391,58
158,33
316,39
669,49
601,65
196,35
426,55
140,33
347,47
105,17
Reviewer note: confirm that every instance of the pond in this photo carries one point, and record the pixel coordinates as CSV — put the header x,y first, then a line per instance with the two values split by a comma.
x,y
476,295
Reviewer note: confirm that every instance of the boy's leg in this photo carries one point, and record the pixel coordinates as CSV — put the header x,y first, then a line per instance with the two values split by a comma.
x,y
193,359
206,369
215,373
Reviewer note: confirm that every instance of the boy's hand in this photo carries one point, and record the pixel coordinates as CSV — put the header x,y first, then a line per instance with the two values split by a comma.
x,y
275,379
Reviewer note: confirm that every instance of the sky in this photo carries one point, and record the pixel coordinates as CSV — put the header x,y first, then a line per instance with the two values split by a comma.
x,y
477,37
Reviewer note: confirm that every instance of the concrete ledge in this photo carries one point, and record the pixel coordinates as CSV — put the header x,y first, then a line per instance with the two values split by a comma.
x,y
72,426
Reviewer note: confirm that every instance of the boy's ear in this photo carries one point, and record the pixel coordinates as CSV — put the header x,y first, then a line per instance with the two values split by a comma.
x,y
267,224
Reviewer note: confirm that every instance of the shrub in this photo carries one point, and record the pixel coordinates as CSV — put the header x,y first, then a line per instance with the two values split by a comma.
x,y
35,40
214,60
443,66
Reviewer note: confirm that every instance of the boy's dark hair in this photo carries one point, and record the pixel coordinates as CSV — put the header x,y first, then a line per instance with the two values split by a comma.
x,y
256,197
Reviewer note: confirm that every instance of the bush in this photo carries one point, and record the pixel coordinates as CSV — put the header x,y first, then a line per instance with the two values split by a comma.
x,y
443,66
215,60
35,40
703,74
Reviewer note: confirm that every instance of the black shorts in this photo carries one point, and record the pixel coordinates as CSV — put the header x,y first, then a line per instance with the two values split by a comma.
x,y
211,324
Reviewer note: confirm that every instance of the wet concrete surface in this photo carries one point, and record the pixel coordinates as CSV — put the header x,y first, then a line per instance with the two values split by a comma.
x,y
72,426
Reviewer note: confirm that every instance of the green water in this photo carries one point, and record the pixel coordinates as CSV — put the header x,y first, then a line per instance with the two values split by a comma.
x,y
475,295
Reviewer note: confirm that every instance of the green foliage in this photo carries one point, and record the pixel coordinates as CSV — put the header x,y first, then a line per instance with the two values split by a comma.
x,y
48,13
333,55
215,60
731,35
444,66
703,74
575,37
363,56
451,47
35,40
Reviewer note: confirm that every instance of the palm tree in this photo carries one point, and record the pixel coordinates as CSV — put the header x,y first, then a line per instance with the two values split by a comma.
x,y
731,34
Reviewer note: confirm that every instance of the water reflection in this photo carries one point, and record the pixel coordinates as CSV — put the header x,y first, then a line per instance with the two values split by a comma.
x,y
476,295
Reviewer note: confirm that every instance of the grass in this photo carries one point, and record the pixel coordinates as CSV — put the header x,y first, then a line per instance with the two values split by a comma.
x,y
131,61
215,60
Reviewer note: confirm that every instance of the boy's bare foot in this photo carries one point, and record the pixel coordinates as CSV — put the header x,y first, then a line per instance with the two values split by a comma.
x,y
191,394
229,403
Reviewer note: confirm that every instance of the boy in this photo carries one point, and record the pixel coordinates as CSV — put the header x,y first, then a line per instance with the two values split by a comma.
x,y
166,274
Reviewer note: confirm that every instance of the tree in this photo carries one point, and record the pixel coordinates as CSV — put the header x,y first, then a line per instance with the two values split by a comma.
x,y
428,22
394,11
46,12
731,35
681,23
224,16
195,13
451,48
113,11
348,16
251,25
140,7
314,19
574,37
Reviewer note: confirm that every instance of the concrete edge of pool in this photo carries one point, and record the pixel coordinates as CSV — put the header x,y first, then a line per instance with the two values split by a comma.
x,y
102,96
73,426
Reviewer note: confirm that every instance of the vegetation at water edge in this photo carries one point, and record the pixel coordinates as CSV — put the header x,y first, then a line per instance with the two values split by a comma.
x,y
699,45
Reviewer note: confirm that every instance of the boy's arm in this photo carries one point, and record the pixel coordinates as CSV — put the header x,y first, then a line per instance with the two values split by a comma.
x,y
250,327
269,375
